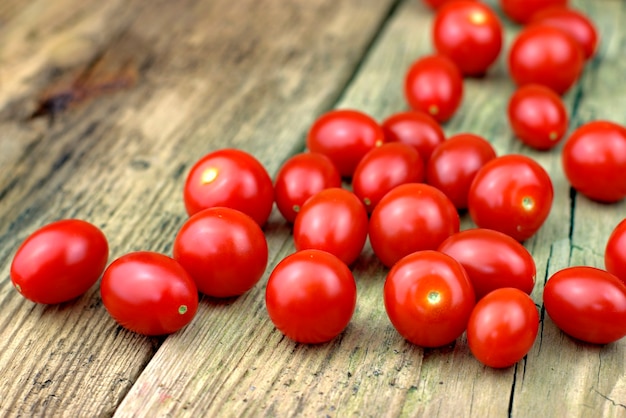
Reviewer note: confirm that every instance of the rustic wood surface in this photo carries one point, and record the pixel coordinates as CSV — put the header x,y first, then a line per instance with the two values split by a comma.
x,y
160,83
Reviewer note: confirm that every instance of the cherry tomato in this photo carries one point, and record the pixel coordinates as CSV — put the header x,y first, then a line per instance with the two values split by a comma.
x,y
411,217
470,34
537,116
615,252
434,85
575,23
521,11
587,303
428,298
60,261
223,250
149,293
345,136
512,194
311,296
594,160
492,260
453,165
299,178
436,4
547,56
503,327
415,128
384,168
332,220
231,178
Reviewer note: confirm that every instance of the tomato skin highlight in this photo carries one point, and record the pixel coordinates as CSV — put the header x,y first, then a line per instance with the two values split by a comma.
x,y
587,303
299,178
60,261
428,298
149,293
492,260
333,220
512,194
503,327
224,251
411,217
615,252
344,136
594,160
311,296
231,178
434,85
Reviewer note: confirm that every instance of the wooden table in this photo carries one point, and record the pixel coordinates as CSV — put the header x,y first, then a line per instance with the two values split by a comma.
x,y
154,85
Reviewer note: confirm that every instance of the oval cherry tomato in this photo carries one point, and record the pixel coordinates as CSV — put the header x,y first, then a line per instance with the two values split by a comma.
x,y
537,116
332,220
594,160
311,296
411,217
299,178
511,194
60,261
384,168
503,327
587,303
547,56
615,252
428,298
521,11
415,128
434,85
470,34
223,250
454,164
575,23
149,293
492,260
231,178
345,136
435,4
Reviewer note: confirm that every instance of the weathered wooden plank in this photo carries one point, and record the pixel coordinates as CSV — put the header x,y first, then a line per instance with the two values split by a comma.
x,y
212,74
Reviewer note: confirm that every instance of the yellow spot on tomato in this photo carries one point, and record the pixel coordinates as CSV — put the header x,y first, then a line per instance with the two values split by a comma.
x,y
367,201
477,17
434,297
433,109
18,287
209,175
378,142
528,203
182,309
553,136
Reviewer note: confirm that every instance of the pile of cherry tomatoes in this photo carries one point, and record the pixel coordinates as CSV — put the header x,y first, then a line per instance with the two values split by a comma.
x,y
407,184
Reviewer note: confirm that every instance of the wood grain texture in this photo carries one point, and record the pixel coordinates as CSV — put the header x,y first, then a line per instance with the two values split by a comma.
x,y
254,75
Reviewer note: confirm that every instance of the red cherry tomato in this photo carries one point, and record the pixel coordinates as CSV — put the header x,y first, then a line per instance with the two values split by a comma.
x,y
492,260
503,327
223,250
512,194
384,168
453,165
615,252
333,220
345,136
594,161
587,303
436,4
415,128
537,116
575,23
299,178
311,296
411,217
231,178
547,56
428,298
434,85
60,261
521,11
149,293
470,34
